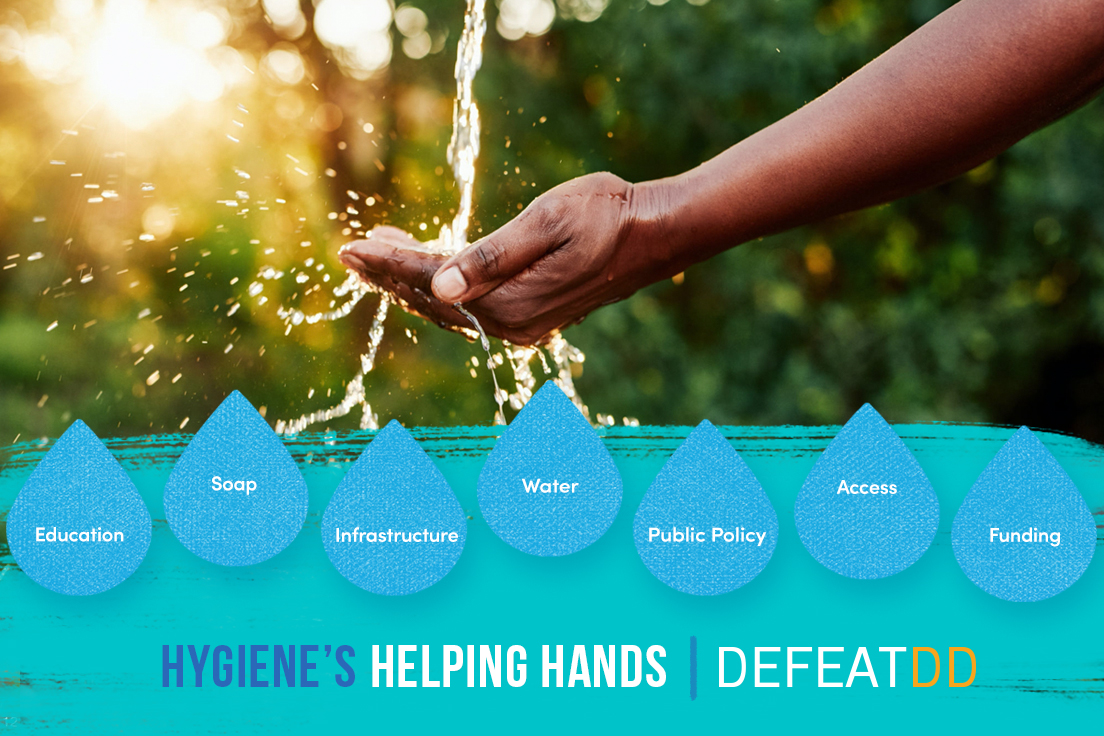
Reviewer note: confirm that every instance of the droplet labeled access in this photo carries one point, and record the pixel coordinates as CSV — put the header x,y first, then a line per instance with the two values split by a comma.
x,y
866,509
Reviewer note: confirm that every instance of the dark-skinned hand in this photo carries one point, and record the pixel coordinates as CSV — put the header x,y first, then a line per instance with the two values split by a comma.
x,y
573,249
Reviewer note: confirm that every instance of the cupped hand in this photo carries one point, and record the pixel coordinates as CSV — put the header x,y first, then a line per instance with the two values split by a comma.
x,y
576,247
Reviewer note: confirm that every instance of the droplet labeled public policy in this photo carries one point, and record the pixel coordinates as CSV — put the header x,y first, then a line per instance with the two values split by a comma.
x,y
78,526
394,526
1024,532
705,526
236,497
866,509
549,486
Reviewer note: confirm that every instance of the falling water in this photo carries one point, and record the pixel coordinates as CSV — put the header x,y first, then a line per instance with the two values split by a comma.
x,y
463,150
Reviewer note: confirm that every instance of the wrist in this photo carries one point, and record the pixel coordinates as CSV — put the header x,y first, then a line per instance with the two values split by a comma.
x,y
653,246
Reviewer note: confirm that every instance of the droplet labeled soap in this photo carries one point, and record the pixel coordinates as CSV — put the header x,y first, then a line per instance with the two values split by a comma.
x,y
394,526
1024,532
78,526
549,486
705,526
236,497
866,509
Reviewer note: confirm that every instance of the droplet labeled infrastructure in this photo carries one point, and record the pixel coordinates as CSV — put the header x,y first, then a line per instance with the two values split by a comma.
x,y
78,526
866,509
1024,532
705,526
394,526
236,497
549,486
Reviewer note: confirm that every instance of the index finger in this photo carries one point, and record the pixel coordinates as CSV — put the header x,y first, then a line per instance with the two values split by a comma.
x,y
389,256
390,260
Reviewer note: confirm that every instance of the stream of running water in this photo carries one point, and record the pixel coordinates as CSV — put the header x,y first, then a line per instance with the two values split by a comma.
x,y
463,151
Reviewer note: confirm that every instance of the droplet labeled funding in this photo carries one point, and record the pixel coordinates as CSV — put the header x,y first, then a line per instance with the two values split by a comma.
x,y
705,526
78,526
549,486
1024,532
236,496
394,526
866,509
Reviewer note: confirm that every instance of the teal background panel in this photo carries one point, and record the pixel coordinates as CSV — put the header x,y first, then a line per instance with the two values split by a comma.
x,y
84,665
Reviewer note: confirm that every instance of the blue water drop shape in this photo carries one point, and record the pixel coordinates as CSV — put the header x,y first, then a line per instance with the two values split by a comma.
x,y
263,508
706,494
861,534
394,526
78,489
1025,491
549,442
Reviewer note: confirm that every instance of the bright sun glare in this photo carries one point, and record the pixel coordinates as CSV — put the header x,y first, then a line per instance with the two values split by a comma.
x,y
145,66
145,60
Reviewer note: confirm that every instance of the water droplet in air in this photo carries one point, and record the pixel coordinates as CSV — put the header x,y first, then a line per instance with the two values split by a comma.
x,y
549,486
78,526
866,509
393,526
235,496
705,526
1024,533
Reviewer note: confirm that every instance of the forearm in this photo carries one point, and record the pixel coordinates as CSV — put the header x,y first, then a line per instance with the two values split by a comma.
x,y
953,94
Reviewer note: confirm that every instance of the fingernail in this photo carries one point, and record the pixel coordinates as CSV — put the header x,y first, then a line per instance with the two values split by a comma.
x,y
449,285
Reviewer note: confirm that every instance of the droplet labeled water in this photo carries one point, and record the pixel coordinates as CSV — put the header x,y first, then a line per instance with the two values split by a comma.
x,y
866,509
394,526
705,526
78,526
1024,532
549,486
236,497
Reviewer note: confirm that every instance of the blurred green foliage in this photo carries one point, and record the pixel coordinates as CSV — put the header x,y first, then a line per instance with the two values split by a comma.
x,y
979,300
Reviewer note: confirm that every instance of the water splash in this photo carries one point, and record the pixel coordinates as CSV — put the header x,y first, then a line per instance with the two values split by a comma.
x,y
1024,532
78,526
705,526
463,151
394,526
549,486
867,510
355,393
235,496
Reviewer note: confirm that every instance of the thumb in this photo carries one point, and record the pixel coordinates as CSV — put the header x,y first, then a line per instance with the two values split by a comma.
x,y
497,258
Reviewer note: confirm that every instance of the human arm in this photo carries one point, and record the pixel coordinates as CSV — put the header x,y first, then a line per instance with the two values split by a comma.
x,y
955,93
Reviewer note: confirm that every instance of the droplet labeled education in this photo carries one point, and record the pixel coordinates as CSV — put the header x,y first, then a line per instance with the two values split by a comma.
x,y
866,509
705,526
78,526
549,486
394,526
1024,532
236,497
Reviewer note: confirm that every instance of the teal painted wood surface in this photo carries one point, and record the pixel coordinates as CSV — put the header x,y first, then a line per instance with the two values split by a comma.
x,y
93,665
